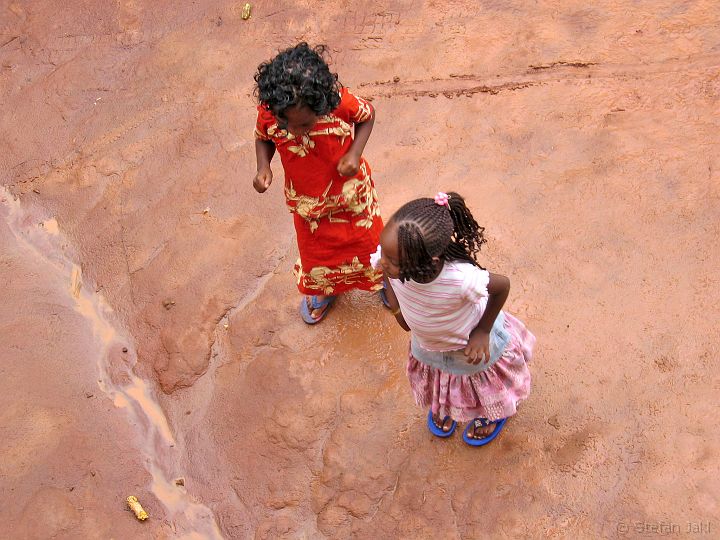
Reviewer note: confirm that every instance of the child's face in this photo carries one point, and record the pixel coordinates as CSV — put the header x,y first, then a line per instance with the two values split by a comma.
x,y
298,120
389,260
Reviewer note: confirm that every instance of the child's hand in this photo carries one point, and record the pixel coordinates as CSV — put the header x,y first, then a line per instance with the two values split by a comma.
x,y
349,164
262,180
478,348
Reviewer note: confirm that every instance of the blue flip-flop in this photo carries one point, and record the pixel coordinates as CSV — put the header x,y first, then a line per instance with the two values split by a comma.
x,y
483,423
307,314
436,430
384,298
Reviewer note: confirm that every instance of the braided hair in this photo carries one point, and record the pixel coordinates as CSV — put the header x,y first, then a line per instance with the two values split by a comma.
x,y
298,76
427,229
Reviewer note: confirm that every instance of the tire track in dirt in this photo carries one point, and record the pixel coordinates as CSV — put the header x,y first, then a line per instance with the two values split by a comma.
x,y
457,85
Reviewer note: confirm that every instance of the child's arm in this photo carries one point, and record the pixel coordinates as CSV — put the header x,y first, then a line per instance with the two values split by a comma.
x,y
349,164
478,347
395,306
264,152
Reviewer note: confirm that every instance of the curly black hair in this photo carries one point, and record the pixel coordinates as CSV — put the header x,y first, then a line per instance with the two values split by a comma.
x,y
427,229
298,76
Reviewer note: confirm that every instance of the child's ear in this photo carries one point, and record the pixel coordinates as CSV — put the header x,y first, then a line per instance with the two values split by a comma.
x,y
436,259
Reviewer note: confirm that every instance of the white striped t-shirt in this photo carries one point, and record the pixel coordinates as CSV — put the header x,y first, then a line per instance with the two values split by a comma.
x,y
442,313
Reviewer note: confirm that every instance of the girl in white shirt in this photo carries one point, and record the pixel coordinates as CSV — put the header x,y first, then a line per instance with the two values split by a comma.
x,y
468,359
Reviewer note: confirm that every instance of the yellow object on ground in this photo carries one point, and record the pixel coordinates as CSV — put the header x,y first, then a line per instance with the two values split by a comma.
x,y
135,506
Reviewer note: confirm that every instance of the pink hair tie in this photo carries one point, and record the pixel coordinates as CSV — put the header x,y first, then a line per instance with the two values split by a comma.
x,y
442,199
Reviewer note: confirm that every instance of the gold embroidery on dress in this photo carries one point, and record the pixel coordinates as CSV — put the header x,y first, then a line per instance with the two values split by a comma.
x,y
275,131
302,146
375,276
324,279
358,198
304,205
342,129
364,111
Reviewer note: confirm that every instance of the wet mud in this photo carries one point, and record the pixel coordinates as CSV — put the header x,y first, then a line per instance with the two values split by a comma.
x,y
151,344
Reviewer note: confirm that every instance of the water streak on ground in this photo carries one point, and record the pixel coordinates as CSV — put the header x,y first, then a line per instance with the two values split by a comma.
x,y
116,378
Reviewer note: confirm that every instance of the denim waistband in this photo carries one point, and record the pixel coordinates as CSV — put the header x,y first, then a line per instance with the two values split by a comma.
x,y
455,362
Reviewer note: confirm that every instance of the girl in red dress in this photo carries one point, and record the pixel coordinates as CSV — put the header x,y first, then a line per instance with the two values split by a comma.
x,y
308,117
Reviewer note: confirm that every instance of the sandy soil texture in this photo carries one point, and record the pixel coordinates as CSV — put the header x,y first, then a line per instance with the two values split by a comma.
x,y
150,342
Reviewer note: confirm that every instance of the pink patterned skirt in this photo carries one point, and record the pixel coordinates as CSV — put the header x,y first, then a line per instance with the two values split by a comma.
x,y
493,394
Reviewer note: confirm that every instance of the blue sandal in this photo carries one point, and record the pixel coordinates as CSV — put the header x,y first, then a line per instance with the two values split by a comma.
x,y
306,313
438,432
484,422
384,298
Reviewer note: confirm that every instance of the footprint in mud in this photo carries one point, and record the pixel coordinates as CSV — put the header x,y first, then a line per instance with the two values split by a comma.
x,y
572,452
359,464
297,424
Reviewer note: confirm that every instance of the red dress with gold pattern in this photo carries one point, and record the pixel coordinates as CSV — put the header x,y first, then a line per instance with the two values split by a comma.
x,y
337,218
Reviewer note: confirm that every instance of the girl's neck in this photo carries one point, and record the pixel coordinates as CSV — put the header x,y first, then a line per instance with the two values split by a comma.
x,y
439,265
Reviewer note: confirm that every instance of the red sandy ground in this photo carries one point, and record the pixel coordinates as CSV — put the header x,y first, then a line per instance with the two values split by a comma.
x,y
585,138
